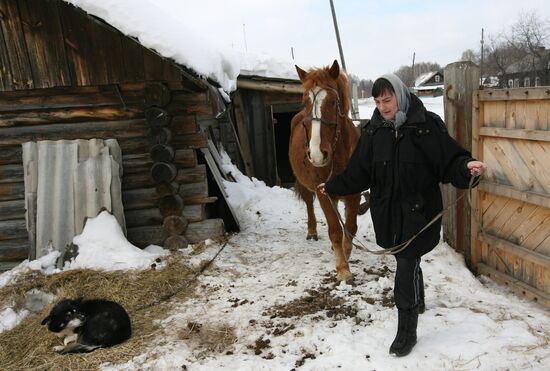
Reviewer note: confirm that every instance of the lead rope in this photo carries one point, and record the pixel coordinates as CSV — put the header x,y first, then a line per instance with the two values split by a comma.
x,y
402,246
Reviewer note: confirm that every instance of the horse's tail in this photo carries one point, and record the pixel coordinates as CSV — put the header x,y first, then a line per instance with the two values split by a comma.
x,y
302,192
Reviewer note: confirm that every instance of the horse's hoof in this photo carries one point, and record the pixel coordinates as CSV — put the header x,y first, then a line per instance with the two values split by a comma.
x,y
312,237
344,276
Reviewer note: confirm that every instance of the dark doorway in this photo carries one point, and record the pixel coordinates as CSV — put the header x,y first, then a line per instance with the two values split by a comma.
x,y
282,136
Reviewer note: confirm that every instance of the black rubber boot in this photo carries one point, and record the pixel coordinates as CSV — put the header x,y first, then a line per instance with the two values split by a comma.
x,y
406,332
421,304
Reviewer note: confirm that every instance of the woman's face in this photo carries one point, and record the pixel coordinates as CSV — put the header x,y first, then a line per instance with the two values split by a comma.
x,y
387,105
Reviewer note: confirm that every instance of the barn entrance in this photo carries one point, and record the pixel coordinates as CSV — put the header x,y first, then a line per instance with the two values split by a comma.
x,y
281,125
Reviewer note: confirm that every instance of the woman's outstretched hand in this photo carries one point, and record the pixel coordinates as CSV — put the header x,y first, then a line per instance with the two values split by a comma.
x,y
476,167
321,189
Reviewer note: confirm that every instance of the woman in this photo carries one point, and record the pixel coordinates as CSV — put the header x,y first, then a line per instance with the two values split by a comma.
x,y
402,156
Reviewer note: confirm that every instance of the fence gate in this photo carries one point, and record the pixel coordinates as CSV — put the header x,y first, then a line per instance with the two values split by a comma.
x,y
511,217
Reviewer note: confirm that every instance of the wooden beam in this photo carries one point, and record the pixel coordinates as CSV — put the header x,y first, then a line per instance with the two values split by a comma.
x,y
476,213
270,86
83,130
142,217
13,230
242,135
540,135
510,192
14,209
517,286
461,80
510,248
15,250
146,235
514,94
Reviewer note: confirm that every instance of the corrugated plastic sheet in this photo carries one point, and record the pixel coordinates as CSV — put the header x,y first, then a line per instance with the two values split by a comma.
x,y
67,182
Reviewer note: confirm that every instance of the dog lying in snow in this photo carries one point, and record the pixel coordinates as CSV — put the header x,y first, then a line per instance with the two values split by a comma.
x,y
88,324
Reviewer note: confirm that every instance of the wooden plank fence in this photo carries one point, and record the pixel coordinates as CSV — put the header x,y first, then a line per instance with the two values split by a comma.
x,y
511,217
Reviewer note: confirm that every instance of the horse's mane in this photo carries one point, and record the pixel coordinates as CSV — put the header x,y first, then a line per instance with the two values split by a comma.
x,y
321,77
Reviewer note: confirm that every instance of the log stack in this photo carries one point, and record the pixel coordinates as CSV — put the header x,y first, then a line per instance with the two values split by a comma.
x,y
163,170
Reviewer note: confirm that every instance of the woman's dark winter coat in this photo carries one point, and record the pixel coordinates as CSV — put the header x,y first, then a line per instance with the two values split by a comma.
x,y
403,169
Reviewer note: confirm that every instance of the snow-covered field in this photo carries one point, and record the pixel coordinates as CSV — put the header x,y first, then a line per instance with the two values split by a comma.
x,y
434,104
270,301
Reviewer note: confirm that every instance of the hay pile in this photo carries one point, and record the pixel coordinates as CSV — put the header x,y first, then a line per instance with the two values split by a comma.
x,y
144,294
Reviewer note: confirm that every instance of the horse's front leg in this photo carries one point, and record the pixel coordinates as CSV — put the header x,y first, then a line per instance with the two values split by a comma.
x,y
308,197
335,233
352,203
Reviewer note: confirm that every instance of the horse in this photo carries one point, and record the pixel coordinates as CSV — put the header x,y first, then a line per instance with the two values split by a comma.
x,y
322,140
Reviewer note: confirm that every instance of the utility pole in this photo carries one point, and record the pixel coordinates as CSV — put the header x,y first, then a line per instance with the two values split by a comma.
x,y
244,37
413,77
481,64
292,52
337,35
354,103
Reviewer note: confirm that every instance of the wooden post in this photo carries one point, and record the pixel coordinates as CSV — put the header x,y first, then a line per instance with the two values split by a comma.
x,y
461,80
475,247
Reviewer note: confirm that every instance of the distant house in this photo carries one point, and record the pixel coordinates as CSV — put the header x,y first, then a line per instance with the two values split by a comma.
x,y
531,71
429,84
490,82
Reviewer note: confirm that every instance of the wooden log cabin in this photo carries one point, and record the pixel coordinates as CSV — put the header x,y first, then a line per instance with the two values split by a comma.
x,y
65,74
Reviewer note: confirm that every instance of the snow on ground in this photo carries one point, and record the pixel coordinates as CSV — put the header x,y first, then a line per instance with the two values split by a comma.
x,y
274,295
269,270
434,104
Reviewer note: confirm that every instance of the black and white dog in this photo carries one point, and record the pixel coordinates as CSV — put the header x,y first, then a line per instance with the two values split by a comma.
x,y
88,324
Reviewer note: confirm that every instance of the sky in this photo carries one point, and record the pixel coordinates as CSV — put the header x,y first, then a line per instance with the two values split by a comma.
x,y
269,268
377,36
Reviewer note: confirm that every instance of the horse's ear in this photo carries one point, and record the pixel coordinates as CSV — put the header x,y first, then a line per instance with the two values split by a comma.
x,y
334,71
301,73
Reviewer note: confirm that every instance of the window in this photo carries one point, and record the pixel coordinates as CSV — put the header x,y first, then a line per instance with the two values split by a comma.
x,y
510,83
537,81
516,83
526,82
437,78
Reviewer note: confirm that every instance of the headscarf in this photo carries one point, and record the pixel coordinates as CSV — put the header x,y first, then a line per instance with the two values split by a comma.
x,y
403,98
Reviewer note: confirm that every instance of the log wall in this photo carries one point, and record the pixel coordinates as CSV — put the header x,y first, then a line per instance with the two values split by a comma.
x,y
511,217
67,75
108,111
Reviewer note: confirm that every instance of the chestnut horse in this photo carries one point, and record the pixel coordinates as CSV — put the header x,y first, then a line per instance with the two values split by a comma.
x,y
322,140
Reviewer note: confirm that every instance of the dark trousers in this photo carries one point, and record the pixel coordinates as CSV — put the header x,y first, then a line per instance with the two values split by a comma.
x,y
406,290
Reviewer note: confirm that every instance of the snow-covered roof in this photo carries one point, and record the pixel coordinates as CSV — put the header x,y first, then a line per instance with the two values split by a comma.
x,y
430,87
254,64
423,78
167,33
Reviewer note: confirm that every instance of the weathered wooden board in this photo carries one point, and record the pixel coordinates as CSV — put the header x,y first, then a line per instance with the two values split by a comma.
x,y
511,133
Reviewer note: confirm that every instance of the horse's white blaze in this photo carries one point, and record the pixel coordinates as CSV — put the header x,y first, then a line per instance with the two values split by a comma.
x,y
316,156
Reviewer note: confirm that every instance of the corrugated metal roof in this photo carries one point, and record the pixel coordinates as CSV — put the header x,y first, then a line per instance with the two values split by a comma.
x,y
66,182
